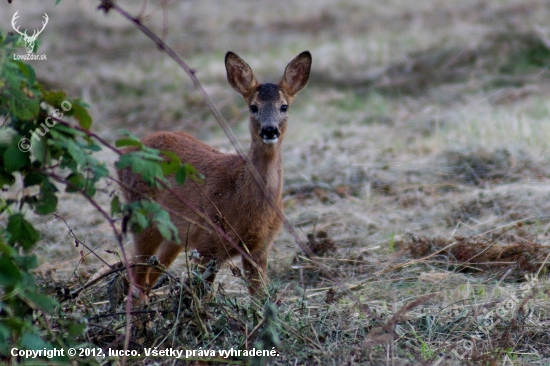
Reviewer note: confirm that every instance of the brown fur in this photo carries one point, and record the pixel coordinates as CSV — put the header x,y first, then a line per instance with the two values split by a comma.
x,y
229,187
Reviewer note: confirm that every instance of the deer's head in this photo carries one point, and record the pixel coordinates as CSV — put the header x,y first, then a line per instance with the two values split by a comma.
x,y
268,103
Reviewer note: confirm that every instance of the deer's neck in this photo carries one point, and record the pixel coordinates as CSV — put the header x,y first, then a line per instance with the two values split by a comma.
x,y
267,161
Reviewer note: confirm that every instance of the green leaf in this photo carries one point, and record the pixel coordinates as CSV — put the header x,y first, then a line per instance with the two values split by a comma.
x,y
54,98
27,71
21,231
32,179
167,229
93,147
5,335
19,97
172,165
7,250
128,142
43,302
14,158
124,161
32,341
26,261
160,217
9,273
40,150
6,179
138,221
47,200
24,107
90,190
47,203
81,114
149,169
76,108
187,170
194,173
115,205
150,154
67,130
75,328
17,324
99,170
139,166
67,162
181,174
76,183
78,154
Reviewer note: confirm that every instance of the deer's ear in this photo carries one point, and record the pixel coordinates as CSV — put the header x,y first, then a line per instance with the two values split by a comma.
x,y
296,74
239,74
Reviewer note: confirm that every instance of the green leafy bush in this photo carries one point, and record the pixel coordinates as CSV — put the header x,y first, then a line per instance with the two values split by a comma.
x,y
24,107
42,150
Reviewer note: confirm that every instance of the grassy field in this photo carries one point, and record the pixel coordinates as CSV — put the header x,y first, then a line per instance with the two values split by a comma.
x,y
416,167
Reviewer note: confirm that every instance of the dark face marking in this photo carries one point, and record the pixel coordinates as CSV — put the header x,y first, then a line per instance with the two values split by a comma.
x,y
268,92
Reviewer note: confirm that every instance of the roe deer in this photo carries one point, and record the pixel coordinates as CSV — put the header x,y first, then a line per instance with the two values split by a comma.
x,y
230,195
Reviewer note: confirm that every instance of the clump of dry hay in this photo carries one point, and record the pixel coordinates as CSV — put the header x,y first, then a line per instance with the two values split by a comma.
x,y
480,166
331,324
474,330
501,58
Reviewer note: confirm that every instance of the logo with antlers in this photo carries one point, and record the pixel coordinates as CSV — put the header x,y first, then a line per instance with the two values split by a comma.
x,y
29,40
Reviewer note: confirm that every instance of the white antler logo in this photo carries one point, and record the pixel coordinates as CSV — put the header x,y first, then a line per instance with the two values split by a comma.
x,y
29,40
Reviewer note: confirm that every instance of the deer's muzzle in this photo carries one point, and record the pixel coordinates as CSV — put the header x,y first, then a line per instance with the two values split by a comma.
x,y
270,134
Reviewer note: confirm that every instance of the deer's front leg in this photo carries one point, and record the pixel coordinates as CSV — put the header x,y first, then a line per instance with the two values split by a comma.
x,y
256,273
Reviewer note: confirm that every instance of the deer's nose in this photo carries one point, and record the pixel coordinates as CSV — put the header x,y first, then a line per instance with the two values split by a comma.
x,y
270,134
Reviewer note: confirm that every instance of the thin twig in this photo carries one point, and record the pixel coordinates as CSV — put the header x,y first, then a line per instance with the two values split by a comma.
x,y
76,292
119,238
133,312
78,241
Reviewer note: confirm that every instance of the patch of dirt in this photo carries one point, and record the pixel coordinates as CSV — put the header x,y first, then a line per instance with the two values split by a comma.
x,y
514,249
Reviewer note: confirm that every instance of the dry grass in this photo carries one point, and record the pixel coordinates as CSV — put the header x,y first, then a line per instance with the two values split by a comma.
x,y
421,139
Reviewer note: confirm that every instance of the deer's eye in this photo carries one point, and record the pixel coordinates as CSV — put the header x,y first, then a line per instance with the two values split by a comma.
x,y
284,108
253,109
